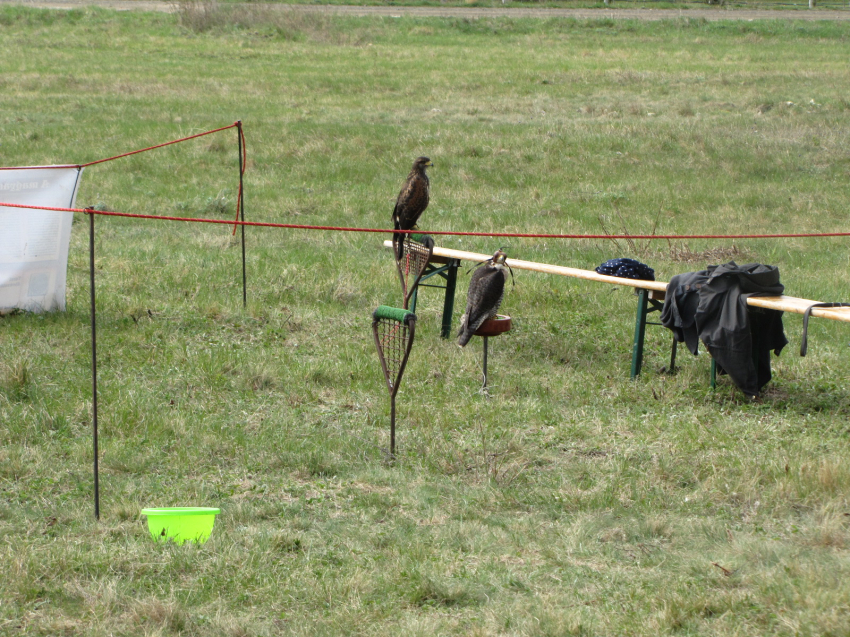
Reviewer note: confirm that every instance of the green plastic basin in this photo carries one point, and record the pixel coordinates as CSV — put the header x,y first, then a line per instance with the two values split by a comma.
x,y
181,524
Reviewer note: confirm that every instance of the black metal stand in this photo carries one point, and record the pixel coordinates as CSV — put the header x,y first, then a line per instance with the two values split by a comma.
x,y
393,330
392,426
242,213
486,339
94,367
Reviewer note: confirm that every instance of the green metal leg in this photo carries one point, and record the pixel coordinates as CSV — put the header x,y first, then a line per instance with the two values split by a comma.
x,y
646,306
449,301
413,296
449,273
640,332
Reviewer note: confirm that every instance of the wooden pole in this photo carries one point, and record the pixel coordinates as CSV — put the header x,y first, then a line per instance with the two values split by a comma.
x,y
575,273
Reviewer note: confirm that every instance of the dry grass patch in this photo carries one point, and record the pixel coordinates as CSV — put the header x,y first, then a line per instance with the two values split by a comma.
x,y
202,16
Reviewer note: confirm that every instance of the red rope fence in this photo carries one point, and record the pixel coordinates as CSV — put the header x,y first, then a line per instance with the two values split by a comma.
x,y
523,235
132,152
243,157
175,141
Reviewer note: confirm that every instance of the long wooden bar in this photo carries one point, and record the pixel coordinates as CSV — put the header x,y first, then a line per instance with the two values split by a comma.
x,y
799,306
576,273
783,303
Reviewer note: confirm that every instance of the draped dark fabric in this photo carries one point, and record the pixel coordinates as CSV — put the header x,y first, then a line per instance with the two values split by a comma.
x,y
711,306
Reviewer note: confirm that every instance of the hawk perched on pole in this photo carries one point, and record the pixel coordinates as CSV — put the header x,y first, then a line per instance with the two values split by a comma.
x,y
411,201
486,290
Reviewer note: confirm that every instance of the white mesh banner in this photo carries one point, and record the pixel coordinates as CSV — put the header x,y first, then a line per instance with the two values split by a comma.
x,y
34,243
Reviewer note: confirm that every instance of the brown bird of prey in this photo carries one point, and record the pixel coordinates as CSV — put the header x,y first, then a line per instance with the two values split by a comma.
x,y
486,290
411,201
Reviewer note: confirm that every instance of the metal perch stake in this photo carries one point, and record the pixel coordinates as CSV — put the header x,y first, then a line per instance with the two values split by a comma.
x,y
492,327
394,330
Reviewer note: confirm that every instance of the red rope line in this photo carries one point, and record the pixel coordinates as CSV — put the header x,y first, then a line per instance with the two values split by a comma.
x,y
175,141
132,152
39,167
294,226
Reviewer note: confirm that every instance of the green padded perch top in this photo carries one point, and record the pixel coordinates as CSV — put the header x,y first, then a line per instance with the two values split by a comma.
x,y
393,313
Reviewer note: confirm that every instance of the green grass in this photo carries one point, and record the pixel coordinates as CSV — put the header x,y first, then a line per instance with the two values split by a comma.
x,y
571,500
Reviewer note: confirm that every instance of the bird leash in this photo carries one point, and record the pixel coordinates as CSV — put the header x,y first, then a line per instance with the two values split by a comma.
x,y
475,266
415,253
393,329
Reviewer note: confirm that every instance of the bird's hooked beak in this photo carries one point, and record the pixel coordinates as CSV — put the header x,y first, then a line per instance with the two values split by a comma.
x,y
499,261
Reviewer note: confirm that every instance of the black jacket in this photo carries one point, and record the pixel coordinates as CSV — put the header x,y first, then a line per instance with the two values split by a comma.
x,y
711,306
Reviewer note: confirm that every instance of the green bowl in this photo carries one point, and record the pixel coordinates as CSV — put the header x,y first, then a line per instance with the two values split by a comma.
x,y
181,524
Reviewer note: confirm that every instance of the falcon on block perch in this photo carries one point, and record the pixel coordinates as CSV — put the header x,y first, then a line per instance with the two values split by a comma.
x,y
411,201
486,290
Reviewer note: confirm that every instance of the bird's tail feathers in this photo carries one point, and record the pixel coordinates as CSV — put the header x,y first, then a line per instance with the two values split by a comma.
x,y
464,338
464,333
398,239
398,244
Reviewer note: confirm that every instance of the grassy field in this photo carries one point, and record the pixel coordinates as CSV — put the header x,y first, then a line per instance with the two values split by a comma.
x,y
779,5
571,501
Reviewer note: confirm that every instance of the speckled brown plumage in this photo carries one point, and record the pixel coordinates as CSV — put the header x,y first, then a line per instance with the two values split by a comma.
x,y
412,201
486,290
